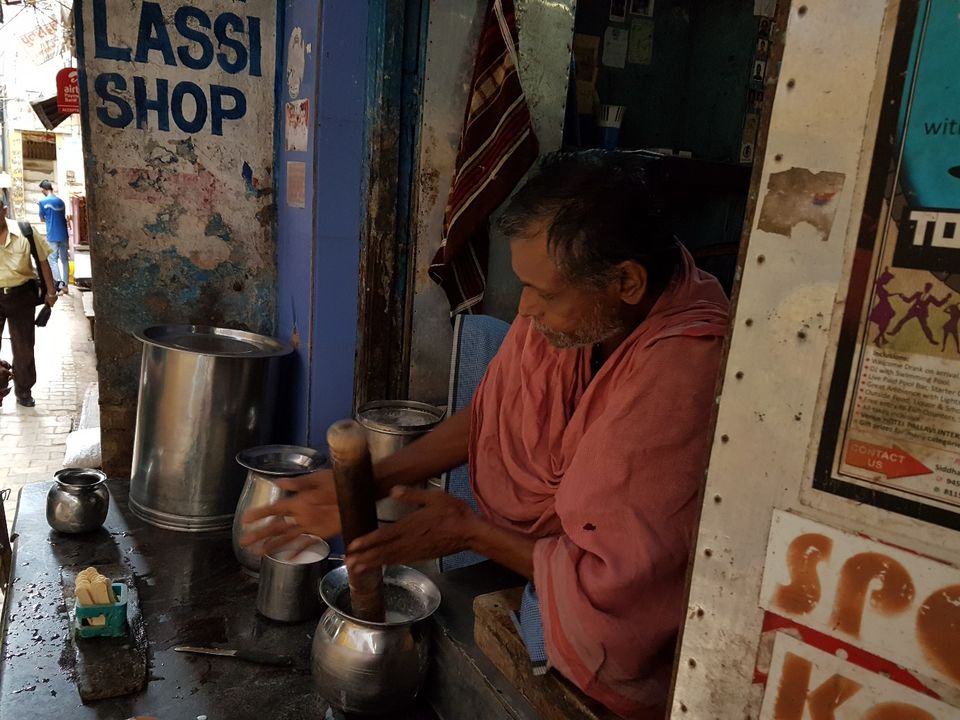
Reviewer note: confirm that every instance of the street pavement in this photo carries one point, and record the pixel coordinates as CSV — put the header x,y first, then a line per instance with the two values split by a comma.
x,y
33,440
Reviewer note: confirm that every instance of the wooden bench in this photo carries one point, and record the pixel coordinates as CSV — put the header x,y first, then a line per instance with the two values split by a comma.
x,y
552,696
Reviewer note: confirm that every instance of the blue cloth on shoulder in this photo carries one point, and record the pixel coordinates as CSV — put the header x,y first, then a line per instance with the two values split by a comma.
x,y
476,340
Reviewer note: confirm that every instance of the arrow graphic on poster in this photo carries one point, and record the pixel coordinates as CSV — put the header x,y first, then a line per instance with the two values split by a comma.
x,y
890,461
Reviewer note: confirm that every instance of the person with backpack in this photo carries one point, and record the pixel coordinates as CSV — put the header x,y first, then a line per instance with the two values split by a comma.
x,y
53,212
19,295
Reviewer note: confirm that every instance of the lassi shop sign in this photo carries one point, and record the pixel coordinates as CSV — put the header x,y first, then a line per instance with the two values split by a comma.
x,y
227,44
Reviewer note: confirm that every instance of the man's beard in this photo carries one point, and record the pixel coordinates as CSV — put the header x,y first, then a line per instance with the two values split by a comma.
x,y
595,328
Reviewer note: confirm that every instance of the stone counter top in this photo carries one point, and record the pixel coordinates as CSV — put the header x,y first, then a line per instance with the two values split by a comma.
x,y
192,592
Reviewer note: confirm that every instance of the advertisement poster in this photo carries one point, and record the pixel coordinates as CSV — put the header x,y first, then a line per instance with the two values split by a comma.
x,y
892,427
296,129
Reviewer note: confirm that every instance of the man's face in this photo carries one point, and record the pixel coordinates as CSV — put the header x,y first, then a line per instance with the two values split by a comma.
x,y
566,314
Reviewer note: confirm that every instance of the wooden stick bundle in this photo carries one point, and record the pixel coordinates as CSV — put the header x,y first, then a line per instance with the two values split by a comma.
x,y
357,500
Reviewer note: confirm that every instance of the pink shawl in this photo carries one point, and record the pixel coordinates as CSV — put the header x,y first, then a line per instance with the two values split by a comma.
x,y
608,473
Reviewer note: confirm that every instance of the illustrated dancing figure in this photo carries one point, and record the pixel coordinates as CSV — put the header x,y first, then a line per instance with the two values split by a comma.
x,y
920,309
951,325
883,311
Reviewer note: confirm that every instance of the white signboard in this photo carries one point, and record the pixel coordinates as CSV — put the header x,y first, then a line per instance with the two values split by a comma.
x,y
890,602
809,684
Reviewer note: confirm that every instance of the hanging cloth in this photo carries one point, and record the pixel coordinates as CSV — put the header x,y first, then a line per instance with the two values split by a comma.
x,y
497,147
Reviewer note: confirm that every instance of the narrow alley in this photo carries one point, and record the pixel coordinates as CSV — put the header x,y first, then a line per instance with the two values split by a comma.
x,y
33,440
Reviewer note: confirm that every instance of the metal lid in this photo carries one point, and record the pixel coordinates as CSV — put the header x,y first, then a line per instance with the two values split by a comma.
x,y
281,460
219,342
399,417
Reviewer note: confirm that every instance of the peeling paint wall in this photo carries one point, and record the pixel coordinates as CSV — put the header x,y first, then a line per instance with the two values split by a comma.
x,y
546,31
178,107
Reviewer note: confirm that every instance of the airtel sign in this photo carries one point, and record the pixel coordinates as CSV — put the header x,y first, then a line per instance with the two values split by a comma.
x,y
68,91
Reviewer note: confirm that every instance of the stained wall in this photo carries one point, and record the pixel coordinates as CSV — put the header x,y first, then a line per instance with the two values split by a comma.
x,y
178,105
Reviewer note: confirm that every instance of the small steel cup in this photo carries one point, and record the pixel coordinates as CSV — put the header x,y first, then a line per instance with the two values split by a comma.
x,y
289,588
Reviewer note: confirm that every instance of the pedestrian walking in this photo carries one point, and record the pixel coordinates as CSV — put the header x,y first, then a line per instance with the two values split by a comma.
x,y
18,298
53,212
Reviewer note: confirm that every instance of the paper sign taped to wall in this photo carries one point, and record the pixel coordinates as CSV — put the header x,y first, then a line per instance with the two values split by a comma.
x,y
615,42
296,129
764,8
618,10
641,43
296,184
586,51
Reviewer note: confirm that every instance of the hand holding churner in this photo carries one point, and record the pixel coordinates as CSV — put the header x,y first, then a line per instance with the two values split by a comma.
x,y
311,510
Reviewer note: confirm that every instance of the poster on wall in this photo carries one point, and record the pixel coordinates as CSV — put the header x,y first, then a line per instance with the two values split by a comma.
x,y
297,124
892,425
296,184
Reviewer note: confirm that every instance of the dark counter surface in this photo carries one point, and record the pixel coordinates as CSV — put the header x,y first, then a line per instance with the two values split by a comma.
x,y
192,592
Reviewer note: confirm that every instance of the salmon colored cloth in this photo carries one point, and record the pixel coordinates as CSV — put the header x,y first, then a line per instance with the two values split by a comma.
x,y
607,472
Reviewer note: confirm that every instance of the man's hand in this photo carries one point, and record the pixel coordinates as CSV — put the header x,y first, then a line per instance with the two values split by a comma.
x,y
51,300
312,510
443,525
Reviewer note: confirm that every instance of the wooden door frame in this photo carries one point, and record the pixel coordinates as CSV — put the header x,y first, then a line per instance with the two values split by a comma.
x,y
396,58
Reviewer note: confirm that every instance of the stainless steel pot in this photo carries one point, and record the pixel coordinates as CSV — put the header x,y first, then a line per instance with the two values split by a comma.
x,y
205,394
265,465
78,501
373,668
391,424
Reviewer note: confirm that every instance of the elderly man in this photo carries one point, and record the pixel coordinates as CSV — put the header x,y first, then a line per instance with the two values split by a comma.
x,y
587,438
18,294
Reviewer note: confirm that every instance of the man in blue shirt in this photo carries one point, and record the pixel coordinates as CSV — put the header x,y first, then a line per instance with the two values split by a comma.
x,y
53,211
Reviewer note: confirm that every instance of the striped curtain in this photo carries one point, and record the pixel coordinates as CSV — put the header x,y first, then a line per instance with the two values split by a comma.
x,y
497,147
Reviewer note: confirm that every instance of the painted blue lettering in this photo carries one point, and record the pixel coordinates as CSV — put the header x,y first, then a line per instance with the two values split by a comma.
x,y
229,21
253,31
219,113
145,104
103,47
103,86
200,101
153,35
181,19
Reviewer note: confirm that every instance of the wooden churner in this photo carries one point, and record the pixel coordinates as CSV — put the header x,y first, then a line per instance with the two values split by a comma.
x,y
357,500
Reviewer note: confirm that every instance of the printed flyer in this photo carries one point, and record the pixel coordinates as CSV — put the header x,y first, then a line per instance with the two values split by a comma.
x,y
892,427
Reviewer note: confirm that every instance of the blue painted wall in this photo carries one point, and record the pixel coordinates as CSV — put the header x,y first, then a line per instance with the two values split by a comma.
x,y
319,245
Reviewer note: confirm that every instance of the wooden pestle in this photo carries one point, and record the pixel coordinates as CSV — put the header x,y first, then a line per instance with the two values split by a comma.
x,y
357,500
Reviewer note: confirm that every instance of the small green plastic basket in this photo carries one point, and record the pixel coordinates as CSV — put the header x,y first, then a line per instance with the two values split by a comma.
x,y
115,615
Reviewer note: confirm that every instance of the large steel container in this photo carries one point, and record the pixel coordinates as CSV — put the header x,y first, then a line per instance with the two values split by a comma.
x,y
205,394
391,424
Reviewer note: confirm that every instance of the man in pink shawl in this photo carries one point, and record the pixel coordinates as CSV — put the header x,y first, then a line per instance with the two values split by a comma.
x,y
587,438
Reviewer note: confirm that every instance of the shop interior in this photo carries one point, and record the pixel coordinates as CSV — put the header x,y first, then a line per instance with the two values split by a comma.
x,y
679,84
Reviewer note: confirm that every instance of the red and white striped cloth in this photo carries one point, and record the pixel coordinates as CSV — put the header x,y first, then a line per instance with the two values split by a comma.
x,y
497,147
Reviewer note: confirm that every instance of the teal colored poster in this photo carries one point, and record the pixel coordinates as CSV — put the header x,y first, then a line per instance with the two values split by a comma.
x,y
929,121
891,433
